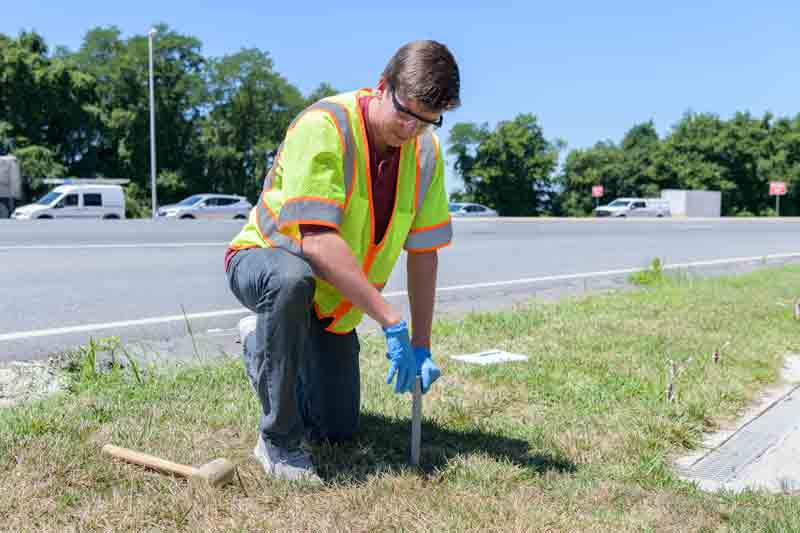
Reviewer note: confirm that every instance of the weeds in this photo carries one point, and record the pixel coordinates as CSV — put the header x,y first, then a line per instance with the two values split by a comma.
x,y
88,364
653,275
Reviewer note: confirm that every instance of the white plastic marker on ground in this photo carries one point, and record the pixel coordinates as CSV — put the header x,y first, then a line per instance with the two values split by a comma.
x,y
489,357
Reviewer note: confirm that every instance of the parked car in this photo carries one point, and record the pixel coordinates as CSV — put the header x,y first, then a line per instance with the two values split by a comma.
x,y
463,209
634,207
208,206
79,201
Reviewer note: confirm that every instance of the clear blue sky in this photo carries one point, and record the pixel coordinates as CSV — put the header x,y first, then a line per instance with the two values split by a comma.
x,y
589,70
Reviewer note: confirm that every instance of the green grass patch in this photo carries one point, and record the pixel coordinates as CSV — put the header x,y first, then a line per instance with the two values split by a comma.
x,y
650,276
577,438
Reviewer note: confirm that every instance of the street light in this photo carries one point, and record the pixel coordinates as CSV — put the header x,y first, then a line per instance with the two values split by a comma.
x,y
152,128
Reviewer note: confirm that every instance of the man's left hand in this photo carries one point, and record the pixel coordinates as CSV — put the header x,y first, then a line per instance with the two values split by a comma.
x,y
426,368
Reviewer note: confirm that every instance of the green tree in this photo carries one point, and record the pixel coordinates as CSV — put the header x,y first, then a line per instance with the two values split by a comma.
x,y
603,164
121,109
510,168
781,161
625,170
323,90
704,152
36,163
252,106
42,105
465,138
639,152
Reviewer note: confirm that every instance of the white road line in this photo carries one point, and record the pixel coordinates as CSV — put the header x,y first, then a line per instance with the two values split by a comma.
x,y
94,246
121,324
227,312
603,273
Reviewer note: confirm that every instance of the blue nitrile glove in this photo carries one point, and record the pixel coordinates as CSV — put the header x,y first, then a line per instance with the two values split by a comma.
x,y
426,367
398,351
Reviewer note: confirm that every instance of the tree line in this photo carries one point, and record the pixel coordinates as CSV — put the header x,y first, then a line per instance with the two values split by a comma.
x,y
515,169
220,120
85,113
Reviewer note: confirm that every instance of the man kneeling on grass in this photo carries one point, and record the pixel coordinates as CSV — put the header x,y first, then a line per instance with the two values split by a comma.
x,y
359,177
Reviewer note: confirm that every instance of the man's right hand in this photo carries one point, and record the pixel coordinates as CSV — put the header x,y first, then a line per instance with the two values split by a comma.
x,y
403,364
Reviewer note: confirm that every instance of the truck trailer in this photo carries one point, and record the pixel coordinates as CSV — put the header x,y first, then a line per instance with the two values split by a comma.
x,y
10,185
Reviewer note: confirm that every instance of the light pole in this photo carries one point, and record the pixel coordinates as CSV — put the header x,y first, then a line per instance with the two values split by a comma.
x,y
152,128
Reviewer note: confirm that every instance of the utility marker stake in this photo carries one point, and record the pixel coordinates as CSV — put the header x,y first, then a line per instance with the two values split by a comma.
x,y
416,421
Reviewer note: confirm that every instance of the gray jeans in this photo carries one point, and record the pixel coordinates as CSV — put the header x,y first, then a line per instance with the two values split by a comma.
x,y
306,378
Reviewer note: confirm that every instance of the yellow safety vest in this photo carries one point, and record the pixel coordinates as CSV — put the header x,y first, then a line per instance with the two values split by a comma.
x,y
321,176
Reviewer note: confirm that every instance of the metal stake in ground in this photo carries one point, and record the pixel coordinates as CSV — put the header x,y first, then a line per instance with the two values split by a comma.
x,y
416,421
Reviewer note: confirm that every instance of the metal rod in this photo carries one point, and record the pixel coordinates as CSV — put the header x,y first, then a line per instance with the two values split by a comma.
x,y
416,422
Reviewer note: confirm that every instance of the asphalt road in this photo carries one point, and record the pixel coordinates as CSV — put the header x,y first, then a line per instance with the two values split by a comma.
x,y
62,282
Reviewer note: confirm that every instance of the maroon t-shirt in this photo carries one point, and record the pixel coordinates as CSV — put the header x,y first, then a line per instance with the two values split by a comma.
x,y
383,170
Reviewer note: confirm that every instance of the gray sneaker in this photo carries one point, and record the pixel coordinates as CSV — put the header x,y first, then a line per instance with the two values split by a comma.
x,y
287,464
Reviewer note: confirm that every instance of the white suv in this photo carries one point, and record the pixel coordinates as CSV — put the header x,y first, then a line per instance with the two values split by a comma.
x,y
79,201
634,207
208,206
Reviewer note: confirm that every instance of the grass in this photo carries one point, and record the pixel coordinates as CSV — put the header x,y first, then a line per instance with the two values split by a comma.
x,y
652,275
579,438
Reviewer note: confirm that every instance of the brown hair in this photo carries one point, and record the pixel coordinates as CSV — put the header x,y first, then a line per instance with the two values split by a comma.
x,y
426,72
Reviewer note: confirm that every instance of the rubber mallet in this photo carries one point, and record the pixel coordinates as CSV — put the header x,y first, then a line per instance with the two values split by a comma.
x,y
216,473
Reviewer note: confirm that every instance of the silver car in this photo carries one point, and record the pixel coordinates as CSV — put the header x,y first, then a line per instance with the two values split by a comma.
x,y
208,206
463,209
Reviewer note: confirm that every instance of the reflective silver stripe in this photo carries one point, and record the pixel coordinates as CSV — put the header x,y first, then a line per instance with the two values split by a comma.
x,y
427,165
296,211
310,211
269,230
433,238
270,177
340,114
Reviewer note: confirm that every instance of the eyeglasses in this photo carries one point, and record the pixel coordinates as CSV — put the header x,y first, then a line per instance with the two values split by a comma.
x,y
403,109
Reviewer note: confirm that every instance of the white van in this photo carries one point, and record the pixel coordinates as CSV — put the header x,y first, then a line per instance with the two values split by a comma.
x,y
80,201
634,207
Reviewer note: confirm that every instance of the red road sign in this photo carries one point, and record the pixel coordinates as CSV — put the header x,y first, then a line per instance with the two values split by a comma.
x,y
597,191
777,188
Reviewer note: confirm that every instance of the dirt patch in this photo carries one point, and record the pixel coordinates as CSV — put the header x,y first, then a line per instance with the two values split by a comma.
x,y
22,381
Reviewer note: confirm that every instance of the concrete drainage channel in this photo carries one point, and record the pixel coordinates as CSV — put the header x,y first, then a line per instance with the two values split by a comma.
x,y
760,449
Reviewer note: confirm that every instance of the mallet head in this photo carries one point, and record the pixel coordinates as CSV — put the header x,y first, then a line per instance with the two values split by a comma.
x,y
216,473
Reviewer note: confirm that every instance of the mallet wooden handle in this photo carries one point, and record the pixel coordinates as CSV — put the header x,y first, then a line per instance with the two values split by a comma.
x,y
149,461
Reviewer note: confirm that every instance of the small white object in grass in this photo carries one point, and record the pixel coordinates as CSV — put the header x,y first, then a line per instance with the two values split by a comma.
x,y
490,357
